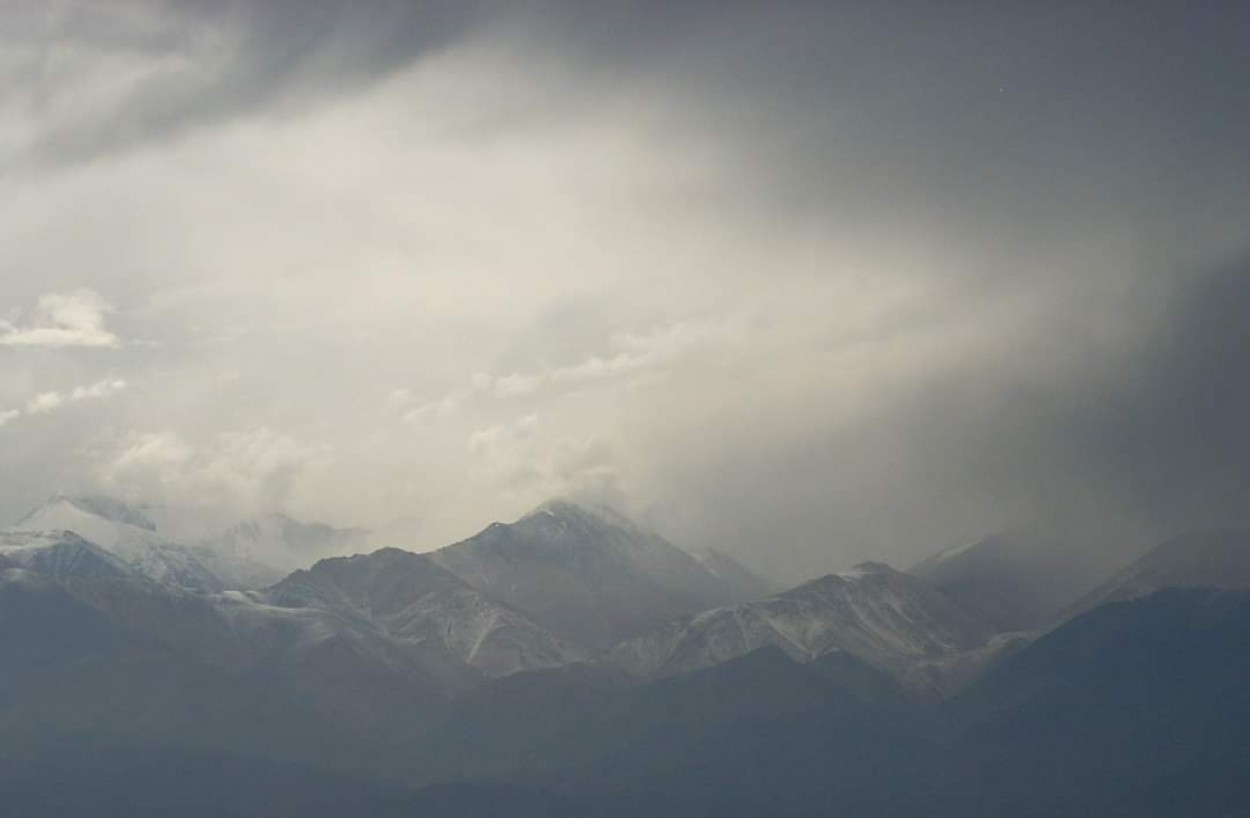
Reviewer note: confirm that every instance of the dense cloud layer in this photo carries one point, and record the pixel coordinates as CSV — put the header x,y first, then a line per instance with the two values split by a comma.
x,y
809,283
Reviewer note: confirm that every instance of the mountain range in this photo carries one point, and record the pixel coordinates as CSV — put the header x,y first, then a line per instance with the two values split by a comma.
x,y
574,663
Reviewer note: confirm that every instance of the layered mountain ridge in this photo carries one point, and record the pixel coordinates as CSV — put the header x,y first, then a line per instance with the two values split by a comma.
x,y
873,613
488,671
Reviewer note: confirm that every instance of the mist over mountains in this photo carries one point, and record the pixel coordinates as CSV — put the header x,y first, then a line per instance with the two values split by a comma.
x,y
468,408
574,663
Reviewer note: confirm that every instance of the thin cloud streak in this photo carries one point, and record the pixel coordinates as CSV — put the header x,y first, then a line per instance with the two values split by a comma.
x,y
51,401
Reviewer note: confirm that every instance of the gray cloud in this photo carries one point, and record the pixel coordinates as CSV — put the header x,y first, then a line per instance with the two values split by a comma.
x,y
192,64
809,283
1173,431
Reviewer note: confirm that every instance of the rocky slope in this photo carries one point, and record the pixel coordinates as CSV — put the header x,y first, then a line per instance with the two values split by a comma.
x,y
408,597
586,574
880,616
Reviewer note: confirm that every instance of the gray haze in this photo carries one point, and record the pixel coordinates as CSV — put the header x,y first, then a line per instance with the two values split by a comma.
x,y
808,282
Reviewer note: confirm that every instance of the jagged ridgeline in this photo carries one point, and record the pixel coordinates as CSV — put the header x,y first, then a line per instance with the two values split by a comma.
x,y
575,663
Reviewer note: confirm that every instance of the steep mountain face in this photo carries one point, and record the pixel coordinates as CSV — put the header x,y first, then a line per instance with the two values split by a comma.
x,y
129,534
586,574
277,539
880,616
739,579
408,597
1014,582
1218,558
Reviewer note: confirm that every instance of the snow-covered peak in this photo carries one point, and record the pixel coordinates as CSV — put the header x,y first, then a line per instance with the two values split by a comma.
x,y
107,508
586,572
565,510
59,555
129,535
104,521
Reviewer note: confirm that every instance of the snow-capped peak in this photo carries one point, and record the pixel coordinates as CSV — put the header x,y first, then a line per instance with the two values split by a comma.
x,y
585,571
95,505
127,533
59,554
564,509
102,520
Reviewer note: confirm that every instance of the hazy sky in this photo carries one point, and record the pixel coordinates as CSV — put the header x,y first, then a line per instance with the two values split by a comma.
x,y
812,282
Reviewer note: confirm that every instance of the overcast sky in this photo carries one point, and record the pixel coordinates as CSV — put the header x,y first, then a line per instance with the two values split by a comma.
x,y
812,282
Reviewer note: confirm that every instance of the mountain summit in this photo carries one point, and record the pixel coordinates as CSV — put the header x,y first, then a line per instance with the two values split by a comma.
x,y
59,555
103,520
587,573
128,533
